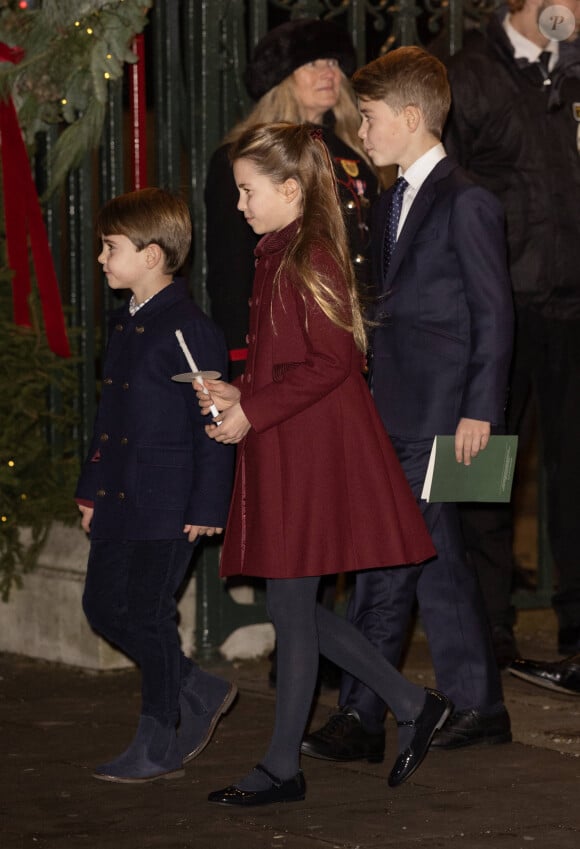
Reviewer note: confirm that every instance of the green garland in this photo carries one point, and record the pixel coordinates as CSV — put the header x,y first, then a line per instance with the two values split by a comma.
x,y
72,51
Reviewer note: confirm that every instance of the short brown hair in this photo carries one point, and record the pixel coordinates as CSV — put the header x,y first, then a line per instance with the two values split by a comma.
x,y
516,5
150,216
408,76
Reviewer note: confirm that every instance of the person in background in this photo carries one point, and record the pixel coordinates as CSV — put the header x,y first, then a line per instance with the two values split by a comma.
x,y
515,128
298,72
314,462
153,484
440,356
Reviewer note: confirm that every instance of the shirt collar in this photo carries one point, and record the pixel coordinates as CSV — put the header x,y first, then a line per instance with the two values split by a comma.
x,y
134,307
418,172
526,49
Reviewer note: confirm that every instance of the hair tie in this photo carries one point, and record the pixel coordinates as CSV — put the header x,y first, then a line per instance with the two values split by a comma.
x,y
316,133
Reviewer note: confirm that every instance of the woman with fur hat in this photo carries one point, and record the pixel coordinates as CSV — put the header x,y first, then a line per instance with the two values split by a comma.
x,y
298,73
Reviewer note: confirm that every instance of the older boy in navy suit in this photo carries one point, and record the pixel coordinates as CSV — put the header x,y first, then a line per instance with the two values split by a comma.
x,y
440,357
153,483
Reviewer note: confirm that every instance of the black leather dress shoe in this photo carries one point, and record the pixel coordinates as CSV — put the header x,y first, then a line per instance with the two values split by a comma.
x,y
569,641
291,790
435,711
561,675
470,727
343,738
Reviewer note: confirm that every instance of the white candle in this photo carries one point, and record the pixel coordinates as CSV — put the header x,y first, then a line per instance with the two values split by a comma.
x,y
192,365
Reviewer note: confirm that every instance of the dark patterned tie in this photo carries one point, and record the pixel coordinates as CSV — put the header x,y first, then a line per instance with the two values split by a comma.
x,y
544,63
393,215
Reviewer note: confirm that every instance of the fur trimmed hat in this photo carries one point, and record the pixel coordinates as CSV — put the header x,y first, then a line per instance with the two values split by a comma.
x,y
293,44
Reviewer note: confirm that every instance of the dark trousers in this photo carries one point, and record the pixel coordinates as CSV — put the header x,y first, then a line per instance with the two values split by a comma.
x,y
546,366
488,535
450,606
129,599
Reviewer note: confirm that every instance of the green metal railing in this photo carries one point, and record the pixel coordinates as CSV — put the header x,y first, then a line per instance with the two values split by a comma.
x,y
196,53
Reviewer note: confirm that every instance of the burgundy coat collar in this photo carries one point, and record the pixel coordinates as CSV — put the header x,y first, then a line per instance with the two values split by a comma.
x,y
272,243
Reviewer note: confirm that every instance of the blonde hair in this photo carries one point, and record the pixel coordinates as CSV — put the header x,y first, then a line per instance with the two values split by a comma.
x,y
408,76
150,216
280,104
285,151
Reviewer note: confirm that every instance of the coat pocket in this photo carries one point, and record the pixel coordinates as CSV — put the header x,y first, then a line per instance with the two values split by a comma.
x,y
164,477
280,369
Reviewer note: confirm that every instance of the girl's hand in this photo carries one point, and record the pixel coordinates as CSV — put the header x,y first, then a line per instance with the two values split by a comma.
x,y
195,531
222,394
232,428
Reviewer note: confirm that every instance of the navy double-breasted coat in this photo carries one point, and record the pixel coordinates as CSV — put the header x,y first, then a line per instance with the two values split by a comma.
x,y
151,468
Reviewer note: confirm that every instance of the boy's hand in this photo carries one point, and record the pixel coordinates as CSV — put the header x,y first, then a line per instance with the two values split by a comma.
x,y
86,517
471,437
232,428
195,531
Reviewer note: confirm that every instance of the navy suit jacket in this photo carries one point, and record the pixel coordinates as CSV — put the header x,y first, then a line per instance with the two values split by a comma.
x,y
151,467
442,347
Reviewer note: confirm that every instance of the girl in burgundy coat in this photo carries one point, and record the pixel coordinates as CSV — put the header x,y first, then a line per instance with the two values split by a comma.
x,y
314,464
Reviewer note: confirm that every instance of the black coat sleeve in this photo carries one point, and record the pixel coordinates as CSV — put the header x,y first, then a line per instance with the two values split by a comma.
x,y
230,244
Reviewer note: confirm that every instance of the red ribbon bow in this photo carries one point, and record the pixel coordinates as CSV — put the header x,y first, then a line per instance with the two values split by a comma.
x,y
24,219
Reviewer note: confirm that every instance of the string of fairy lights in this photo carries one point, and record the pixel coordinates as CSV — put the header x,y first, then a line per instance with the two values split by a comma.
x,y
11,464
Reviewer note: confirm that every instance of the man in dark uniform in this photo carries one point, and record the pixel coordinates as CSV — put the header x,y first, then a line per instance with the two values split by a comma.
x,y
515,127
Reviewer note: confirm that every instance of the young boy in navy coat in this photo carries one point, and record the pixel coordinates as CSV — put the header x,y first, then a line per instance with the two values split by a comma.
x,y
440,357
153,482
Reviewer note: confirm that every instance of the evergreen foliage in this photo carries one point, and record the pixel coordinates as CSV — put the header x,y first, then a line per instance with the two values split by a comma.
x,y
38,458
72,50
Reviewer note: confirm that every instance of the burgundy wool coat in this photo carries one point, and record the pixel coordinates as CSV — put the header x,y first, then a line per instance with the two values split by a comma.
x,y
318,487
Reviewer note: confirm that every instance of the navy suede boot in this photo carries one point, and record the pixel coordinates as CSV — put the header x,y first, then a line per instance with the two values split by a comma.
x,y
153,754
203,700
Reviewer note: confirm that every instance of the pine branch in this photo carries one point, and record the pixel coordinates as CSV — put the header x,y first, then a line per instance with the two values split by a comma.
x,y
72,52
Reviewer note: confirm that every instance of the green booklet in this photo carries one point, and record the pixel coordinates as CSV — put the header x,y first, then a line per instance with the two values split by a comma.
x,y
488,478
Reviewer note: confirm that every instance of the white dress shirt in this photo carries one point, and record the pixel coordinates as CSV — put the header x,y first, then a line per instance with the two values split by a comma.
x,y
416,175
526,49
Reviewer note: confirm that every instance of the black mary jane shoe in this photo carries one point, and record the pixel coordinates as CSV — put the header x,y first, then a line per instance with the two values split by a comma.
x,y
435,711
291,790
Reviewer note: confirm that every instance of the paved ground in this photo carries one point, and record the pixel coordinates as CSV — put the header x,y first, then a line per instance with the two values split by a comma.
x,y
56,723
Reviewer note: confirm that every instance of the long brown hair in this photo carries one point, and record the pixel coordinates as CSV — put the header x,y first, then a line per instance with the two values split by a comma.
x,y
294,151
